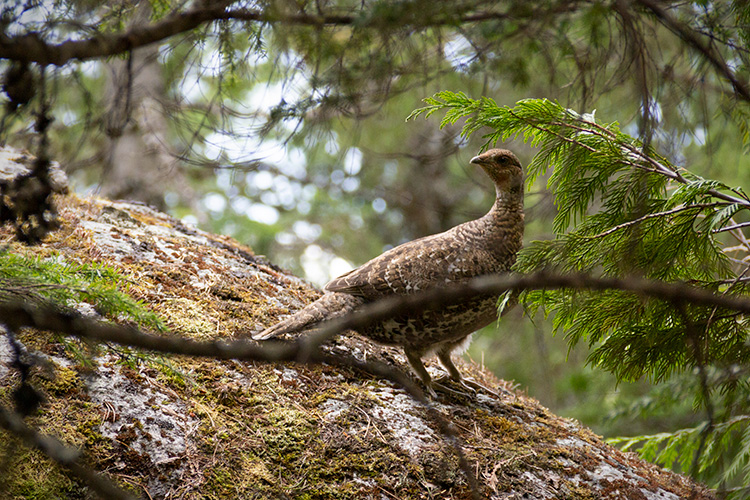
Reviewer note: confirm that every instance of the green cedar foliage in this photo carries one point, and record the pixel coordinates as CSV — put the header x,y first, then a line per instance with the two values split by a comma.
x,y
624,209
66,284
55,281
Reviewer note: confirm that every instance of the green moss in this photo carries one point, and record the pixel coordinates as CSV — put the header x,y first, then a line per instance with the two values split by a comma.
x,y
254,469
89,429
287,433
34,476
65,381
190,317
220,483
501,428
581,493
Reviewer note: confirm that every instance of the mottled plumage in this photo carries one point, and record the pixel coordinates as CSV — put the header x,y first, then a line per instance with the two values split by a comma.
x,y
483,246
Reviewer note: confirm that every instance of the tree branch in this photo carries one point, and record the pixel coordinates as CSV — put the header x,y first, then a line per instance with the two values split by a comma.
x,y
498,283
732,227
304,349
68,457
690,37
31,47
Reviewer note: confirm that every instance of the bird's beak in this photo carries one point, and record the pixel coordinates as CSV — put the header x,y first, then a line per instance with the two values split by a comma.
x,y
476,159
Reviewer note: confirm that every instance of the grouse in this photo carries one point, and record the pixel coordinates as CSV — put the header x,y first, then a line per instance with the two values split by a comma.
x,y
487,245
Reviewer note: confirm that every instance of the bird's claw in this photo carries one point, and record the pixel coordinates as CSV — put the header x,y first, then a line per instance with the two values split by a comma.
x,y
442,385
429,389
471,385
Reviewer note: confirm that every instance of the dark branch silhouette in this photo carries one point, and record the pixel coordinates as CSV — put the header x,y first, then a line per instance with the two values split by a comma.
x,y
692,38
306,349
31,47
64,455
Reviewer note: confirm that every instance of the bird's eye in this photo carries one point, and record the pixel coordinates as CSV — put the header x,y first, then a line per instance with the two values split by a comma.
x,y
502,159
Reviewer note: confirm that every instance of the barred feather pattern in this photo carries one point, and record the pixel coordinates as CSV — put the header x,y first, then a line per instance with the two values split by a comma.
x,y
483,246
328,307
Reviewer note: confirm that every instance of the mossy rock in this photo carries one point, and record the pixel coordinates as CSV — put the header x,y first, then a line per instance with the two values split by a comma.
x,y
181,427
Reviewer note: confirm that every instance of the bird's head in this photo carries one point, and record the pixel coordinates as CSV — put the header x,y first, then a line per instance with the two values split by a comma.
x,y
503,168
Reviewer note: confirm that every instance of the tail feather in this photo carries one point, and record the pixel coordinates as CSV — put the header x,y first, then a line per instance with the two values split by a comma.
x,y
327,307
295,322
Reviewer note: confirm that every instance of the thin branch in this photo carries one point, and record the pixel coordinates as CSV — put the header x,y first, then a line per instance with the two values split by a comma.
x,y
552,132
68,457
690,37
609,136
498,283
651,216
17,315
31,47
732,227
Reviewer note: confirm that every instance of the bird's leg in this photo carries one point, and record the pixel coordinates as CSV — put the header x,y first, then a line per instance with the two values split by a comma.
x,y
444,355
415,360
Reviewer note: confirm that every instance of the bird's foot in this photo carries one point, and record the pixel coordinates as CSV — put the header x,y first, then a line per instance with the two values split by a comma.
x,y
448,391
430,390
442,384
472,386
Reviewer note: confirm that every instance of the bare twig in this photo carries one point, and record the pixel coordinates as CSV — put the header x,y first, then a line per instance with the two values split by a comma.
x,y
496,284
31,47
65,456
692,38
304,349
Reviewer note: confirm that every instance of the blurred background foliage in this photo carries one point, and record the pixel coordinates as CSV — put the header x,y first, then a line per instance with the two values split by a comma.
x,y
282,123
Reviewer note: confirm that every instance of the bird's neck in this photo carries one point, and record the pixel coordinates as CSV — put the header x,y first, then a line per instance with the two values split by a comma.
x,y
506,220
503,228
509,197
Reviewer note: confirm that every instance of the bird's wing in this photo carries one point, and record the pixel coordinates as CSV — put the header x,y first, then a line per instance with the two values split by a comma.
x,y
416,265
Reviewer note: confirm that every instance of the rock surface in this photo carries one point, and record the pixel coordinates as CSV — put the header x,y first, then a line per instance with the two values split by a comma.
x,y
182,427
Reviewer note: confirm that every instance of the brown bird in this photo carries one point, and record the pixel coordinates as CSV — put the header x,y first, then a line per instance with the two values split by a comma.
x,y
486,245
